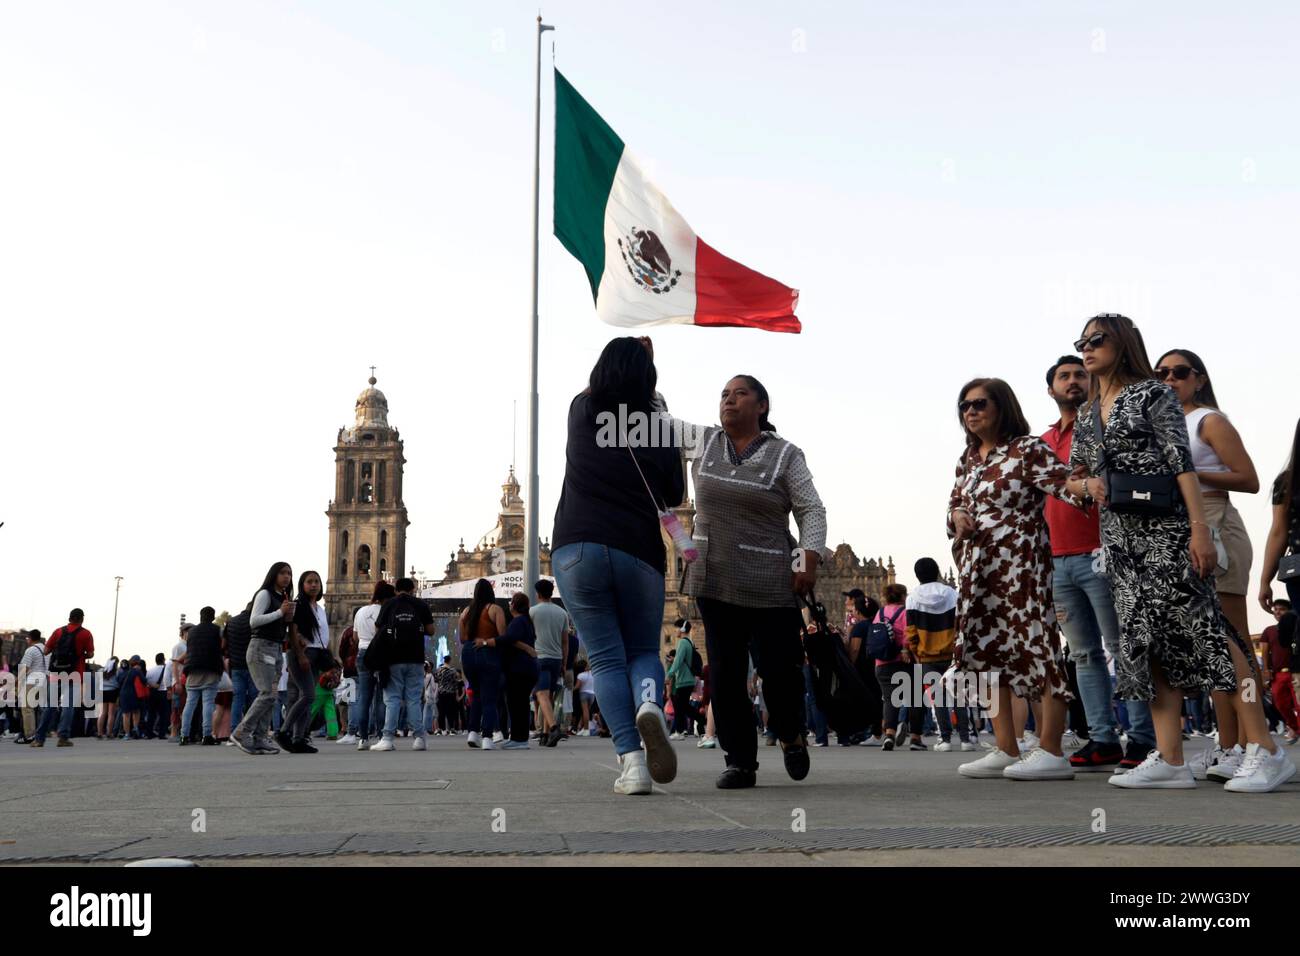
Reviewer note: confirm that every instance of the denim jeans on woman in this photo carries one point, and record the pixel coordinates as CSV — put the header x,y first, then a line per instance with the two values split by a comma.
x,y
264,663
405,683
482,666
617,604
1085,610
366,713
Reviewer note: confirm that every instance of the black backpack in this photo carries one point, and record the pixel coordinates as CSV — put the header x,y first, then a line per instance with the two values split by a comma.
x,y
63,659
697,669
838,688
880,639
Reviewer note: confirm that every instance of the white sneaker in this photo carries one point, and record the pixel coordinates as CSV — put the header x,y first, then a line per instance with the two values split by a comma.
x,y
635,778
418,744
1038,764
488,744
1204,760
1154,774
1070,741
347,739
474,739
363,743
943,747
661,758
498,737
1226,768
382,746
677,736
1028,742
871,741
1261,771
987,767
583,733
969,745
711,743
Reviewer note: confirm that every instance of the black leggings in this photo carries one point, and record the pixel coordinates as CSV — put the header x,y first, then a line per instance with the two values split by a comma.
x,y
448,711
519,689
773,633
682,712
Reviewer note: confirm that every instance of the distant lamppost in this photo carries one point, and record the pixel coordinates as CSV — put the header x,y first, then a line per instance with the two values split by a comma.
x,y
112,649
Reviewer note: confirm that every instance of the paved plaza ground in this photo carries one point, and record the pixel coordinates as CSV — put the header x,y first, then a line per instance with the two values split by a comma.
x,y
106,803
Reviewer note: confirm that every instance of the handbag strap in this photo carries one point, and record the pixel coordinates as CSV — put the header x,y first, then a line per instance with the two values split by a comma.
x,y
1101,438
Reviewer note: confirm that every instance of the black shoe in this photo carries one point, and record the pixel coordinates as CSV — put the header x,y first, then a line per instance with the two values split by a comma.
x,y
796,759
184,741
302,747
888,744
1097,756
285,741
209,741
552,738
1134,755
734,778
917,745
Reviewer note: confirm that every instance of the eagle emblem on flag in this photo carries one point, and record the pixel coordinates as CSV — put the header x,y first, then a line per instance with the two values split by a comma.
x,y
647,261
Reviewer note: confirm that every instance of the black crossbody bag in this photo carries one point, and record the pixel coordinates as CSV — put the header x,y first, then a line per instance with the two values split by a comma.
x,y
1288,568
1148,496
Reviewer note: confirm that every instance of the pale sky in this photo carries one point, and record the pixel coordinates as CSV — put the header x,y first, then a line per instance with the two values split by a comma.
x,y
215,217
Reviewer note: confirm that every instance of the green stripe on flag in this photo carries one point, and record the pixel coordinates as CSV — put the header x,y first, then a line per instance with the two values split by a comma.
x,y
587,152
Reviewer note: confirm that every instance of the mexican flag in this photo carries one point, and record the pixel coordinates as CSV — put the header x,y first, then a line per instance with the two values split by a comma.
x,y
645,263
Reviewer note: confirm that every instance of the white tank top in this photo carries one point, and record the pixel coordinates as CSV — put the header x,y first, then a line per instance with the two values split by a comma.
x,y
1203,456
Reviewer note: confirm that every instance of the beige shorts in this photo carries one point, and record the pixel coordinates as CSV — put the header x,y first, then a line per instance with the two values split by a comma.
x,y
1221,515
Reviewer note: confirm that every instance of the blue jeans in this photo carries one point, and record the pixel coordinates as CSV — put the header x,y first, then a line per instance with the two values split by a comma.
x,y
1086,612
60,696
245,692
816,720
277,715
617,604
482,666
366,713
192,697
405,682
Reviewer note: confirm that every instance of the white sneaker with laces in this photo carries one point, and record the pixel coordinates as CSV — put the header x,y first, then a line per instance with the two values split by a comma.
x,y
1038,764
474,739
1226,768
1027,743
968,745
871,741
635,778
677,736
498,737
1071,741
661,759
347,739
488,743
987,767
383,746
419,744
1261,771
363,744
1154,773
943,747
1204,760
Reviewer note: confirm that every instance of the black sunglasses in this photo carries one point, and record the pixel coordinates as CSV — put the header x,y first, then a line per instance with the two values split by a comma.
x,y
1179,372
1088,343
979,404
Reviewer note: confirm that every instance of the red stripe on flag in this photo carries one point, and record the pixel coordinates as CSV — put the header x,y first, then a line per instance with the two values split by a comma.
x,y
727,293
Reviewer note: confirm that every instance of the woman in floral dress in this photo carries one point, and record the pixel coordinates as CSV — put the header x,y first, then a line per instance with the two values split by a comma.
x,y
1173,635
1006,625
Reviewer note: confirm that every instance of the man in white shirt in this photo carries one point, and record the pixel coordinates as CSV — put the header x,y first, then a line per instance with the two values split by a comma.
x,y
176,682
32,672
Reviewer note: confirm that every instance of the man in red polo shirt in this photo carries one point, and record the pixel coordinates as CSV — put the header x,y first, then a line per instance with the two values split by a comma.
x,y
1085,608
66,654
1277,667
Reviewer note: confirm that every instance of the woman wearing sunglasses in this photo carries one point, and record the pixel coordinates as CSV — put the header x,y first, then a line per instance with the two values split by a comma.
x,y
1222,465
1159,556
1005,621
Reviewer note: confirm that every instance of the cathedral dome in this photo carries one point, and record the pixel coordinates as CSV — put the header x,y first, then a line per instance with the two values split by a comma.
x,y
372,407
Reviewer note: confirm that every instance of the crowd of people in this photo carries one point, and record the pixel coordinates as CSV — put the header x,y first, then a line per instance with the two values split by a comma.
x,y
1103,580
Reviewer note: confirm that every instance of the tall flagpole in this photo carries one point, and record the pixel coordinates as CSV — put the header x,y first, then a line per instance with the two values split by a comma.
x,y
532,561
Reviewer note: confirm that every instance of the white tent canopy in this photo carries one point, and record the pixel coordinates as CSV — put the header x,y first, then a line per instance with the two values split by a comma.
x,y
504,584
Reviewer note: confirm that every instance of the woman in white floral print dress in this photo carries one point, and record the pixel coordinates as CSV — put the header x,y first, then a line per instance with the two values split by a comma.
x,y
1173,635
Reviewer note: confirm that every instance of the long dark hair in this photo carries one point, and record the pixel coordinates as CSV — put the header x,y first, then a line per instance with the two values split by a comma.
x,y
304,616
1011,420
866,607
268,583
1205,394
1288,482
1131,361
484,596
764,423
623,375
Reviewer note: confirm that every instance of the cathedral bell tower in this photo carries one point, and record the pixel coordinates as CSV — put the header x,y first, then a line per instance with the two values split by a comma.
x,y
367,518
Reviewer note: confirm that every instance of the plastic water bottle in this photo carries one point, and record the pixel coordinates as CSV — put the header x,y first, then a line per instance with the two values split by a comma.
x,y
684,543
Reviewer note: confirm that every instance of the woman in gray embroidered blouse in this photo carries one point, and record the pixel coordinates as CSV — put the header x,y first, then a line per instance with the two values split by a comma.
x,y
748,482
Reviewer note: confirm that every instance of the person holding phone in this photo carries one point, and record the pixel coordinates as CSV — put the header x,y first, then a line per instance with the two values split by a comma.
x,y
308,650
273,608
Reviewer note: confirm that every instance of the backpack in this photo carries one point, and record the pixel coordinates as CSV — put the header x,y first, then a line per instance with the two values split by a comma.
x,y
880,639
838,688
63,659
697,669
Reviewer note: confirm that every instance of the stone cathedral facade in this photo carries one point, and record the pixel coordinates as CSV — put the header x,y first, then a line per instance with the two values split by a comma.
x,y
367,517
